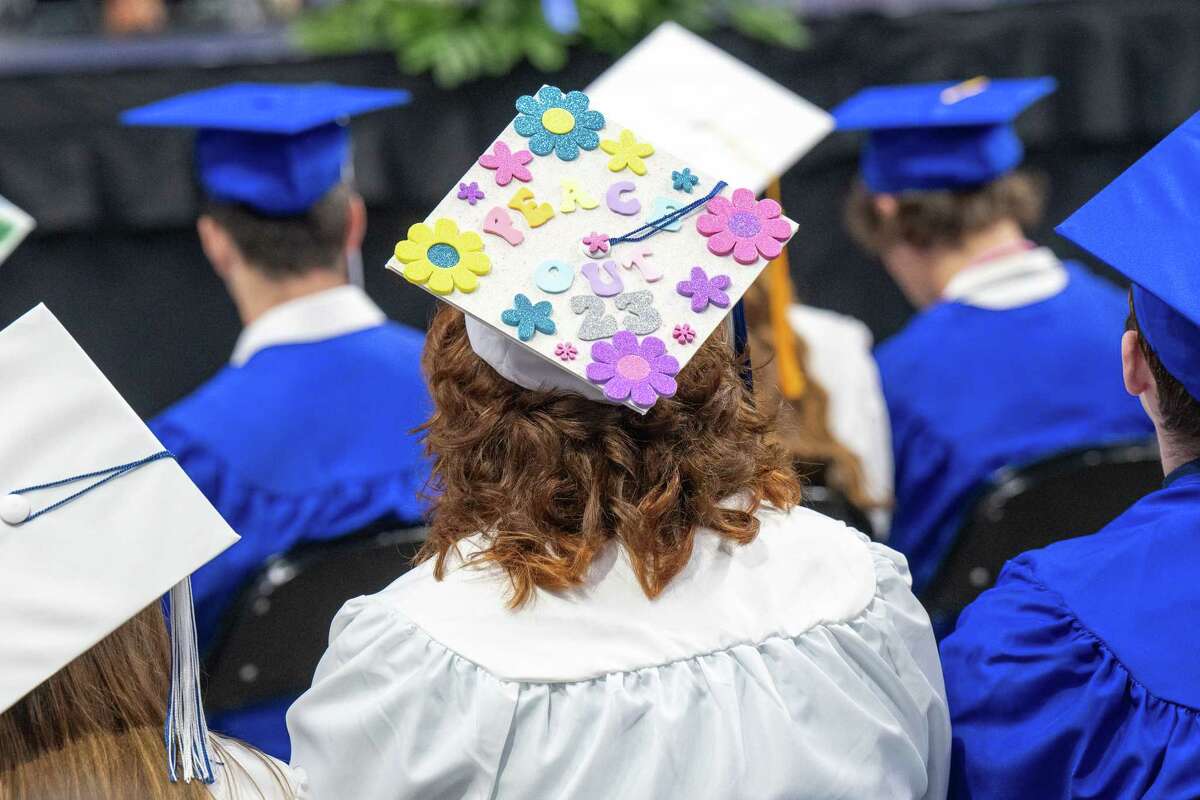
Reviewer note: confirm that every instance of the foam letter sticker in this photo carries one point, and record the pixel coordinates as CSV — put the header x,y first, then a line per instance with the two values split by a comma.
x,y
499,223
619,204
572,194
536,215
601,285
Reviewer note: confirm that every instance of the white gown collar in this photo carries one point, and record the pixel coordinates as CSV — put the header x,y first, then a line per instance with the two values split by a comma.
x,y
1009,282
312,318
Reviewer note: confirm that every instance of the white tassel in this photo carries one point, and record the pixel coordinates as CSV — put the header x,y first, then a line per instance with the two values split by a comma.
x,y
186,731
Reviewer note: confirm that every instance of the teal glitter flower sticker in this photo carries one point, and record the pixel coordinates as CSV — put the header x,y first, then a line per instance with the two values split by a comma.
x,y
527,317
558,123
684,181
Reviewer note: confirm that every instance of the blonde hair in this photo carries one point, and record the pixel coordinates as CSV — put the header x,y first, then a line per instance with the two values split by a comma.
x,y
95,728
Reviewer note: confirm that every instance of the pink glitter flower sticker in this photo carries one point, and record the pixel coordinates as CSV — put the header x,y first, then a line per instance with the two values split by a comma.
x,y
744,226
565,351
596,243
508,165
629,370
684,333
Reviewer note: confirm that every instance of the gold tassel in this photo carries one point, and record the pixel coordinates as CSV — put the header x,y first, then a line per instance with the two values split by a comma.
x,y
779,291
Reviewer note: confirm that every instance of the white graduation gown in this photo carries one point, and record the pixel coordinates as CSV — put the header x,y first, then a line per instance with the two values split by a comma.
x,y
799,665
840,359
254,776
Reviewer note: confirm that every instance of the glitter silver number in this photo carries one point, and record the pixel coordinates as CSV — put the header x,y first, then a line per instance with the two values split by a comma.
x,y
642,318
596,324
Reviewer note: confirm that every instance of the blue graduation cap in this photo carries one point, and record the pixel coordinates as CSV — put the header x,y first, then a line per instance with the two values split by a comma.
x,y
275,147
1146,225
940,135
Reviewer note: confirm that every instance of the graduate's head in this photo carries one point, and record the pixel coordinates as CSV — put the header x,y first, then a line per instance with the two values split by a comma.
x,y
236,236
96,725
937,165
1146,224
1168,403
911,231
554,476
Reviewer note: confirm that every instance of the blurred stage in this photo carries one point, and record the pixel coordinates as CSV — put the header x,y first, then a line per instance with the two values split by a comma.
x,y
115,254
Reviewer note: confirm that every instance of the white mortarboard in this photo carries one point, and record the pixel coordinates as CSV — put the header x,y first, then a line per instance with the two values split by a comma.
x,y
743,126
582,259
15,225
70,574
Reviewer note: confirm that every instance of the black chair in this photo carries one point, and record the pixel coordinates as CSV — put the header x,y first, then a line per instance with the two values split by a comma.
x,y
278,629
831,502
1024,508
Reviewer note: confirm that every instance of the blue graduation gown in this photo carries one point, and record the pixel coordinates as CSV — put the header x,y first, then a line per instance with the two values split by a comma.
x,y
970,390
305,441
1078,674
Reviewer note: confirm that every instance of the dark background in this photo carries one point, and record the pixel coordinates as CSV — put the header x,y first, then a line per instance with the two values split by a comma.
x,y
116,258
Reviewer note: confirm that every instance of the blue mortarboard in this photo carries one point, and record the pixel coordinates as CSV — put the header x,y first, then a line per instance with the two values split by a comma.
x,y
1146,225
275,147
940,135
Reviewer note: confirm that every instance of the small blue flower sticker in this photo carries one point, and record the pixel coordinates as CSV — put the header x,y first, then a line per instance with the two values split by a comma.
x,y
527,317
558,123
684,181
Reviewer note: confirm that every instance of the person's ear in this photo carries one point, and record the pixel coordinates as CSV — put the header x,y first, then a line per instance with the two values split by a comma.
x,y
1135,369
356,222
218,246
886,205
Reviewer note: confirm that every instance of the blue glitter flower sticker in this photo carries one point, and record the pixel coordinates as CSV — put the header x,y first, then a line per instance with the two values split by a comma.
x,y
558,123
527,317
684,181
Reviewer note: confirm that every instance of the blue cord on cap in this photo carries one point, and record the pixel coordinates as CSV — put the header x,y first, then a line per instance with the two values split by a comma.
x,y
111,473
654,226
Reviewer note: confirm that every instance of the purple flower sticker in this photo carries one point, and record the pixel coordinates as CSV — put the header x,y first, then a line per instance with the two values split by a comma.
x,y
629,370
704,290
470,192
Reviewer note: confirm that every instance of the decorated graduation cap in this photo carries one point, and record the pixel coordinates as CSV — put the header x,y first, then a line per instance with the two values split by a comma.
x,y
740,124
1146,225
96,523
15,225
940,135
278,148
581,259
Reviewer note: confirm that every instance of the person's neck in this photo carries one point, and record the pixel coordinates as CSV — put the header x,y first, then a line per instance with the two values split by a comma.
x,y
1173,454
997,240
255,294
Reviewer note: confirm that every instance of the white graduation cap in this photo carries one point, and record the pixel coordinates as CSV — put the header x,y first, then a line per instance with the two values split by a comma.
x,y
588,258
707,107
97,522
15,225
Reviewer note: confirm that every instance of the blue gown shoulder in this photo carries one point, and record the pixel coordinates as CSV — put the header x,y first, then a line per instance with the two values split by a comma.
x,y
1078,674
970,390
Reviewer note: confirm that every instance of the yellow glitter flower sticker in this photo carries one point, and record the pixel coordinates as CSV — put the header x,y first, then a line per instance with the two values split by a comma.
x,y
627,152
443,258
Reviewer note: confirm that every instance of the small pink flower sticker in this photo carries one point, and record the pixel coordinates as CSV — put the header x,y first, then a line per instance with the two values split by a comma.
x,y
684,333
596,242
508,165
629,370
745,227
565,351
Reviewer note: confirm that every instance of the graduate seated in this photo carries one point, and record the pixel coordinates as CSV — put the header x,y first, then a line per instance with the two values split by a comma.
x,y
97,700
307,433
620,594
1013,355
1077,674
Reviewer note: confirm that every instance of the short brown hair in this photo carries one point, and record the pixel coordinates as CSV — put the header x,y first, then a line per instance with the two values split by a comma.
x,y
1180,411
943,218
284,247
552,478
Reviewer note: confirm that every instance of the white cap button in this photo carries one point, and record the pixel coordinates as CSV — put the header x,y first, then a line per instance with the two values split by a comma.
x,y
14,509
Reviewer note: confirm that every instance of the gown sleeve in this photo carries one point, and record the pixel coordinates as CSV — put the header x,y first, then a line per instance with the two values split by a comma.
x,y
393,714
1041,707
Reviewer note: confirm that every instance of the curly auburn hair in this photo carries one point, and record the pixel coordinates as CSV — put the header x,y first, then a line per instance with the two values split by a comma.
x,y
552,478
